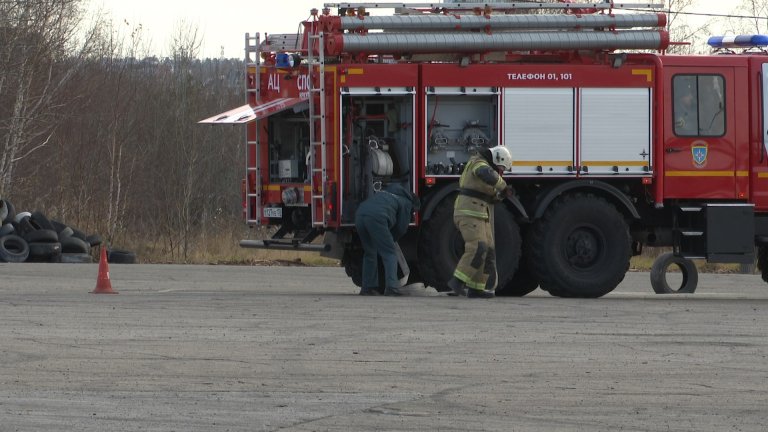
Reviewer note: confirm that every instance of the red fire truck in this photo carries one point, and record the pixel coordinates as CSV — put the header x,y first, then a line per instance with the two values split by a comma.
x,y
615,144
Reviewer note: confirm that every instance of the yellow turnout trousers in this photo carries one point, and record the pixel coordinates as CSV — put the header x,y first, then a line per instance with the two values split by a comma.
x,y
478,263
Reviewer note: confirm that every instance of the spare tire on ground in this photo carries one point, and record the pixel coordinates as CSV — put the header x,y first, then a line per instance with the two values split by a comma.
x,y
41,236
74,245
75,258
119,256
44,252
13,249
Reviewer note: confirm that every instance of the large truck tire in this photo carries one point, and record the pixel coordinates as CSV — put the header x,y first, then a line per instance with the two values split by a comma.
x,y
118,256
762,262
659,274
353,267
75,258
523,282
73,245
441,245
353,264
44,251
41,236
581,247
13,249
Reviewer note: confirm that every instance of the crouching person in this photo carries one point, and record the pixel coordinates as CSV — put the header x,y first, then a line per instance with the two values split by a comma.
x,y
380,221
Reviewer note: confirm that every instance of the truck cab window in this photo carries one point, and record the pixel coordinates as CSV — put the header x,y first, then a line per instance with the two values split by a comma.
x,y
699,105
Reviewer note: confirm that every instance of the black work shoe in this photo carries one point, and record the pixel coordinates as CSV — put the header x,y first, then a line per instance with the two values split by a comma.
x,y
457,286
394,292
483,294
368,292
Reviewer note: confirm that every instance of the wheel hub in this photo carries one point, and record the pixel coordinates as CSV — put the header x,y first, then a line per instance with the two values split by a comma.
x,y
583,247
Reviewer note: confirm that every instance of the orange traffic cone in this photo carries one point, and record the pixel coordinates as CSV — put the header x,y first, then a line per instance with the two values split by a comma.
x,y
103,285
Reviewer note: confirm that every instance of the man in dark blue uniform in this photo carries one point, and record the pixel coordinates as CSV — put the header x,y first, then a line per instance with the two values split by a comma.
x,y
380,221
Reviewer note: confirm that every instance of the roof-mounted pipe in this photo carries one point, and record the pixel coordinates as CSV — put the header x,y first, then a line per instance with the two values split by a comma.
x,y
434,43
493,22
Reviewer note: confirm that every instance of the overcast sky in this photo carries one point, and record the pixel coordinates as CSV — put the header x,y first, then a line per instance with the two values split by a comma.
x,y
223,23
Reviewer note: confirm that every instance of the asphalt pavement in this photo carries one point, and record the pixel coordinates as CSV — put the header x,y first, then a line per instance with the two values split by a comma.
x,y
236,348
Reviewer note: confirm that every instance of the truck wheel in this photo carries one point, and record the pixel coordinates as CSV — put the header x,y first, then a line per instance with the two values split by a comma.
x,y
659,275
762,262
441,245
523,282
581,247
353,265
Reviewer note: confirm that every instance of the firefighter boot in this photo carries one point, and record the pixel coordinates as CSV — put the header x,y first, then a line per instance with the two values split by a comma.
x,y
457,286
483,294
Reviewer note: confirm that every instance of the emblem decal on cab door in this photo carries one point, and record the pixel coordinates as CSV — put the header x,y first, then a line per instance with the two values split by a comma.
x,y
699,152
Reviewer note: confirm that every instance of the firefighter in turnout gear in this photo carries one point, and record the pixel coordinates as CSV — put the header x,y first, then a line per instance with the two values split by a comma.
x,y
480,186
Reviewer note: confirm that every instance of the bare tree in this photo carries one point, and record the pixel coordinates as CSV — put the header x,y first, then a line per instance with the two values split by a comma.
x,y
40,51
686,38
756,17
180,149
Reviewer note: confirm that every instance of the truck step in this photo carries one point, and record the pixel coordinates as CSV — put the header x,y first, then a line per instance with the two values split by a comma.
x,y
290,244
692,233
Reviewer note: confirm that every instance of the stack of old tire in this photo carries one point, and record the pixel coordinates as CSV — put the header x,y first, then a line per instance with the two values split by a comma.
x,y
33,237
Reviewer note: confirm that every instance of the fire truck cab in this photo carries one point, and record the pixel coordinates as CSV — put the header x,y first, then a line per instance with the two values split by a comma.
x,y
613,148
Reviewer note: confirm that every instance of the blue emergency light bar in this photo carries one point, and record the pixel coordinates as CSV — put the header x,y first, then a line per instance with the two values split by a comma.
x,y
741,41
287,61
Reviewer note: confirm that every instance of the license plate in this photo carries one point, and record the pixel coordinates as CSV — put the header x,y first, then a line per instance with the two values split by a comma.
x,y
273,212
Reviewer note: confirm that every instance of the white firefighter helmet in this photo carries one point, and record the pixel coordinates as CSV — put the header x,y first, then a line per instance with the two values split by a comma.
x,y
502,157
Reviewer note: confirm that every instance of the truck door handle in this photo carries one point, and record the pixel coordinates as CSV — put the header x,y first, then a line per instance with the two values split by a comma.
x,y
673,149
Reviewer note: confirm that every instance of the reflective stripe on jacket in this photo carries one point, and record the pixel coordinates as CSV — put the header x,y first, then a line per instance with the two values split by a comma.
x,y
471,206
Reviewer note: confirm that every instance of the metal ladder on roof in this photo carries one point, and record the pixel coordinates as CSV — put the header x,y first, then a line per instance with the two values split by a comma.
x,y
317,135
253,94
